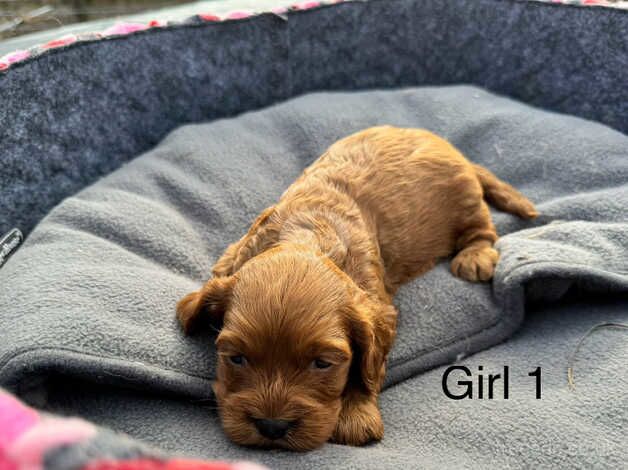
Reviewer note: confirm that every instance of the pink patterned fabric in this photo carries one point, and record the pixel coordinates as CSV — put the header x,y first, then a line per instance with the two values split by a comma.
x,y
238,15
279,10
29,450
16,56
120,29
305,5
62,41
15,419
27,437
209,17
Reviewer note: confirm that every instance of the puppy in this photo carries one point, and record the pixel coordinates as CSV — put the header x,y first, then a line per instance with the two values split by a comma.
x,y
305,297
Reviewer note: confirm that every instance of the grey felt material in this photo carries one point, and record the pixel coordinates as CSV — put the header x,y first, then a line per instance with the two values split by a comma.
x,y
584,428
72,115
91,293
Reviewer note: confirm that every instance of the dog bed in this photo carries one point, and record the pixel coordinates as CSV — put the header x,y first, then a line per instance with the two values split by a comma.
x,y
88,300
107,265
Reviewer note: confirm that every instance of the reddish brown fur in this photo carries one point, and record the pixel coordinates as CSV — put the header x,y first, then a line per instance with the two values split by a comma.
x,y
315,275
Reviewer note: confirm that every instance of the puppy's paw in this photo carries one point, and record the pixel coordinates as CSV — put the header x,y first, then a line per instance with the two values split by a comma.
x,y
359,422
475,263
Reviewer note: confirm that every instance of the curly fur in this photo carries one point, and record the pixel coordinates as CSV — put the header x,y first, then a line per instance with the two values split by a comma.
x,y
314,278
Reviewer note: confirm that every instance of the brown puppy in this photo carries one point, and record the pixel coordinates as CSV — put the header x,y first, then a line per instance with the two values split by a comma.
x,y
305,295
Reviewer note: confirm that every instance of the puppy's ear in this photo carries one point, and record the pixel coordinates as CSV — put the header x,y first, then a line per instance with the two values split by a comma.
x,y
372,325
210,302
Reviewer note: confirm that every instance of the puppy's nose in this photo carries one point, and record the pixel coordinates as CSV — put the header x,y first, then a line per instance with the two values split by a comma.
x,y
272,428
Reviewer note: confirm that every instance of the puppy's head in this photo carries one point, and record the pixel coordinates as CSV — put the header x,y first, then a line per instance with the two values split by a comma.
x,y
297,336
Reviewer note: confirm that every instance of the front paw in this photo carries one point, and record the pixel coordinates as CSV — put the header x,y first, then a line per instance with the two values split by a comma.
x,y
475,263
359,422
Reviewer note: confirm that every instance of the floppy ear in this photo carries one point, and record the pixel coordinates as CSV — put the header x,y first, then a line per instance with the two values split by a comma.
x,y
372,325
261,235
372,328
210,302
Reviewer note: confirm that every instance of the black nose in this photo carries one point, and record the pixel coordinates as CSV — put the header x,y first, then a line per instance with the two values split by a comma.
x,y
272,428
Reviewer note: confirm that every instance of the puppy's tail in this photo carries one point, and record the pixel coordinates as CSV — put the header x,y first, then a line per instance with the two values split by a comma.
x,y
503,196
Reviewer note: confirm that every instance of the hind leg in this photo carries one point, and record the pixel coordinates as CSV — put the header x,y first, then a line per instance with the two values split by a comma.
x,y
476,258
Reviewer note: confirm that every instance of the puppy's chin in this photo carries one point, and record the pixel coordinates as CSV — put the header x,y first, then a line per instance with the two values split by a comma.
x,y
314,421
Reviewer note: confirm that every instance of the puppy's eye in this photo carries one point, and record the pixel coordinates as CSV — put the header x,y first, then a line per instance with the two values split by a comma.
x,y
237,359
321,364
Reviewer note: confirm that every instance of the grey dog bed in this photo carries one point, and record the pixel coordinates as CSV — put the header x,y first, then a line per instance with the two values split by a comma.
x,y
89,298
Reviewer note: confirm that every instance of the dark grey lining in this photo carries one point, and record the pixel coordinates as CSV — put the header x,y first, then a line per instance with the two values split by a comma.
x,y
75,114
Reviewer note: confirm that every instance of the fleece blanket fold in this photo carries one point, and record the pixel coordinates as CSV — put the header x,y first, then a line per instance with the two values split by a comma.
x,y
91,293
580,428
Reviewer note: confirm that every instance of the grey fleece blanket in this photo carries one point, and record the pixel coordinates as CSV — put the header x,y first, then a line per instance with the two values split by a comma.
x,y
581,428
91,294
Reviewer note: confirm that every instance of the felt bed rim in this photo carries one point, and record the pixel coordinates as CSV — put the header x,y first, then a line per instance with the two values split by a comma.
x,y
14,58
596,99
